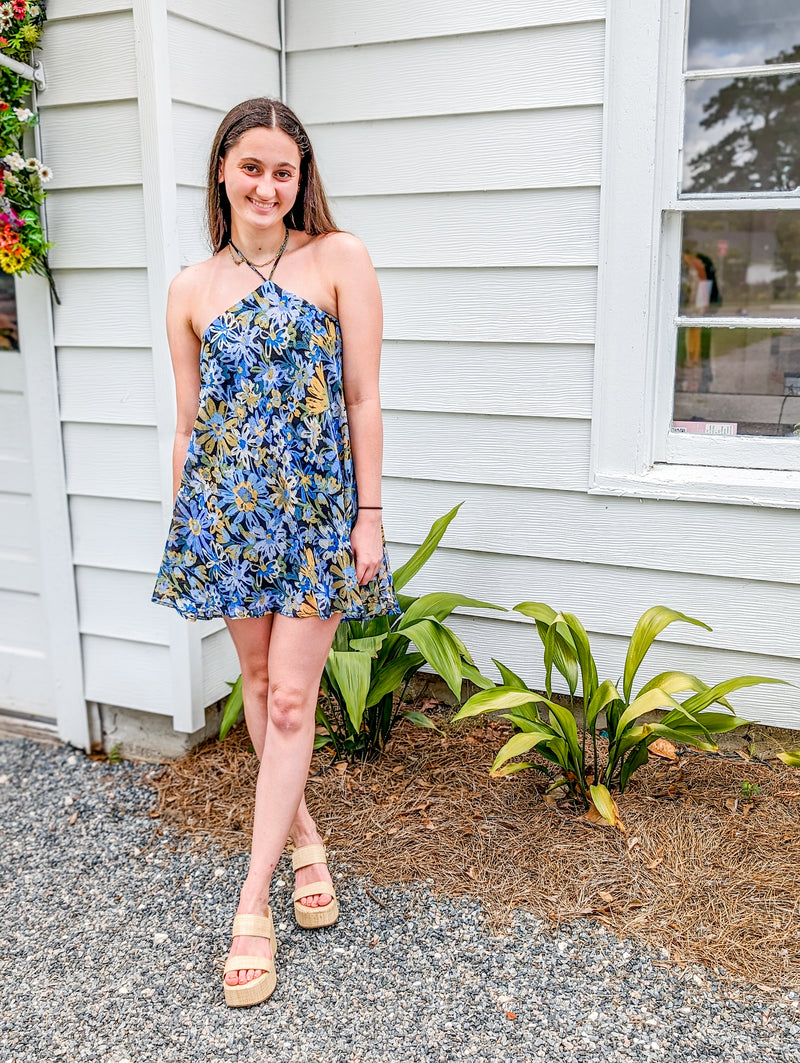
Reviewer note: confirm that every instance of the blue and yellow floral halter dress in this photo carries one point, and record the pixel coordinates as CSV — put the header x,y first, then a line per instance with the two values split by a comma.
x,y
267,497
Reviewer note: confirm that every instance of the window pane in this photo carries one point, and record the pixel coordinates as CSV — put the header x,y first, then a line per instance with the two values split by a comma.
x,y
742,134
738,381
726,33
8,313
741,262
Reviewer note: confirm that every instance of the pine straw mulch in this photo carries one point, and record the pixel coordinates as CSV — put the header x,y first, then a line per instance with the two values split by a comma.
x,y
700,871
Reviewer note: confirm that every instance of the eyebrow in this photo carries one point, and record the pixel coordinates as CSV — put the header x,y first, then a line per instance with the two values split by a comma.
x,y
252,158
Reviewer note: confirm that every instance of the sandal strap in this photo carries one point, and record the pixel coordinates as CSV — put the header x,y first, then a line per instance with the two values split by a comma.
x,y
308,854
314,888
254,926
248,963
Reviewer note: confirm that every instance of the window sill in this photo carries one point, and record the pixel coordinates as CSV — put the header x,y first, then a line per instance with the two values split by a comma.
x,y
702,483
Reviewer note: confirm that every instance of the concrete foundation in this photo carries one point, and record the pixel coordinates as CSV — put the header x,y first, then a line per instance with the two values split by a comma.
x,y
143,736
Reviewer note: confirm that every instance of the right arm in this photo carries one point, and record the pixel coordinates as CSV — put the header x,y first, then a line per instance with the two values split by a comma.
x,y
184,349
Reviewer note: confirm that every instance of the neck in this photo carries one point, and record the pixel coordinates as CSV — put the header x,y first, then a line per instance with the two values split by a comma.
x,y
258,245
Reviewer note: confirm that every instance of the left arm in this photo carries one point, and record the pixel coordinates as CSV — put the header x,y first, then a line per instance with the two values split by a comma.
x,y
360,313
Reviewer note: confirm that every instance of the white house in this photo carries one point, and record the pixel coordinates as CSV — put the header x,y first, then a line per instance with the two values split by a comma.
x,y
539,196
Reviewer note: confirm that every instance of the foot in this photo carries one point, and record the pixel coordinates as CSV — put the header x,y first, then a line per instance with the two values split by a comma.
x,y
247,946
312,873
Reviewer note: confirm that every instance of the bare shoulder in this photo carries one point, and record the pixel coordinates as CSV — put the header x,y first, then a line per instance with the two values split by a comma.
x,y
341,249
185,284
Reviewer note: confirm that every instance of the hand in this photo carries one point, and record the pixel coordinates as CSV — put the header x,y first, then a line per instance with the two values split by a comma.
x,y
366,540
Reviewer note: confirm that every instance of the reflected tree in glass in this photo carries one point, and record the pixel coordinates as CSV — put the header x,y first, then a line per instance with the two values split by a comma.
x,y
761,148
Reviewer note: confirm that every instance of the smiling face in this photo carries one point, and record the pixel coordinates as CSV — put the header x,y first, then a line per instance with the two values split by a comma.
x,y
261,172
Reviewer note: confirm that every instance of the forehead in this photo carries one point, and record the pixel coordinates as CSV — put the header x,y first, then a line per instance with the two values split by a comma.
x,y
267,145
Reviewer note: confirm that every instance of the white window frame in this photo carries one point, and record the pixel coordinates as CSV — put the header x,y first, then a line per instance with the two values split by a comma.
x,y
633,450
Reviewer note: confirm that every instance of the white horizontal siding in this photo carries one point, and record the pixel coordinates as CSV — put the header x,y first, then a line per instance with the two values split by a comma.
x,y
517,451
112,461
74,9
628,532
556,148
346,22
97,228
209,65
107,386
238,18
117,604
191,224
488,304
220,665
503,378
550,66
139,533
92,145
509,227
89,59
102,308
133,675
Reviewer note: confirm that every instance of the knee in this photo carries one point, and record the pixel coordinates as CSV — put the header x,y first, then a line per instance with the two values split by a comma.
x,y
288,707
256,682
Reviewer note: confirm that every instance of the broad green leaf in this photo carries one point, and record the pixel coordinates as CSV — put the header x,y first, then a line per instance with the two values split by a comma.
x,y
558,652
660,730
707,697
434,642
233,706
440,605
511,769
389,676
421,720
628,740
469,671
604,803
321,740
371,644
402,575
650,624
565,723
719,723
510,679
519,744
637,758
583,652
493,700
604,695
521,721
649,702
462,649
351,670
537,611
674,683
405,601
792,759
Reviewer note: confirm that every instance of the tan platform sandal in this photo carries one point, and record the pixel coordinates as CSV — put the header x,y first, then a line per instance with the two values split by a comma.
x,y
259,989
307,917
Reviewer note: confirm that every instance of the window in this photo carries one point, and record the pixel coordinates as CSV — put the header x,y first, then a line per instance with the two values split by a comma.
x,y
698,347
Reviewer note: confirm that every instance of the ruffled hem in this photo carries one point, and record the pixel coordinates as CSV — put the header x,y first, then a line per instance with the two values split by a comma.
x,y
189,611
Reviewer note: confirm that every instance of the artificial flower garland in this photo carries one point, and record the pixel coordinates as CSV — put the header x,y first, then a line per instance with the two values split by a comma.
x,y
23,247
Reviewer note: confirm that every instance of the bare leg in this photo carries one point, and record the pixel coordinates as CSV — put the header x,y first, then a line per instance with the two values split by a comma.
x,y
252,639
296,654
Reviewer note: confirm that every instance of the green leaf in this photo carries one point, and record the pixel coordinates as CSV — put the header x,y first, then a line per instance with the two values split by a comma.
x,y
233,706
719,723
434,642
519,744
604,695
421,720
390,675
469,671
558,652
583,652
351,670
566,725
650,624
537,611
519,765
649,702
604,803
660,730
792,759
493,700
320,741
402,575
510,679
371,644
440,605
637,758
523,721
712,694
674,683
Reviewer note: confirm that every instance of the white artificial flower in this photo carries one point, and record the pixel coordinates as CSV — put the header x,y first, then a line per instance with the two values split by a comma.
x,y
33,10
15,161
32,163
11,179
45,173
23,114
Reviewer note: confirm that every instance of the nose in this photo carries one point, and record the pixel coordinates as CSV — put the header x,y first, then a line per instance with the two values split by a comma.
x,y
265,189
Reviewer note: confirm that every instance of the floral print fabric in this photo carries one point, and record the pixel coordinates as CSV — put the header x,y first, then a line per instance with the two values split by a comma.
x,y
267,497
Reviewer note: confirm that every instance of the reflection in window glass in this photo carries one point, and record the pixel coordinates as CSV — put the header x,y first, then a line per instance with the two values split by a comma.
x,y
738,382
741,263
742,134
730,33
8,314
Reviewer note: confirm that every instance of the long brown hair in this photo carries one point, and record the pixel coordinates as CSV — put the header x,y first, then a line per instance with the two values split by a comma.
x,y
310,212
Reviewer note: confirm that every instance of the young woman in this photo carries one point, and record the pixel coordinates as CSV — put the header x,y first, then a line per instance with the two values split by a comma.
x,y
277,520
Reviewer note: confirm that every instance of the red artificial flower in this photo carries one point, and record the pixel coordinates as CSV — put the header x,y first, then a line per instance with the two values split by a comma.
x,y
4,106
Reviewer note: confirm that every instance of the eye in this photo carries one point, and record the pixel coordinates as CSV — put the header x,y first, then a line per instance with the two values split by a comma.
x,y
284,175
249,166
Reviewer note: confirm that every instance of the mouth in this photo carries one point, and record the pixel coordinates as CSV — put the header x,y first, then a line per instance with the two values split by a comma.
x,y
262,204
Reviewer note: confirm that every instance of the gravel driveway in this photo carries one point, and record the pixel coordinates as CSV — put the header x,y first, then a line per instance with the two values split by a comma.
x,y
112,940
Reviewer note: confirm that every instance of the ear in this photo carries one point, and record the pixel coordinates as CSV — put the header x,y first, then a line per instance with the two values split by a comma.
x,y
221,172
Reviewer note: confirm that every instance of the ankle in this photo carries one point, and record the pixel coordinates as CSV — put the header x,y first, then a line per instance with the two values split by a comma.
x,y
310,836
253,899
